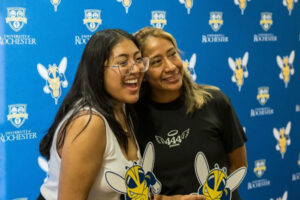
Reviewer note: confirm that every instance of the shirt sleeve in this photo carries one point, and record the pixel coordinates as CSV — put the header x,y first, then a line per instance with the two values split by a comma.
x,y
233,134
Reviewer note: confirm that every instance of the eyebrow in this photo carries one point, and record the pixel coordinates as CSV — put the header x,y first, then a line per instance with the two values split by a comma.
x,y
168,51
126,55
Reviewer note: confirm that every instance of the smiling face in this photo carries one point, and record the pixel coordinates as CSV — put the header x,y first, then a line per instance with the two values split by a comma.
x,y
165,70
124,89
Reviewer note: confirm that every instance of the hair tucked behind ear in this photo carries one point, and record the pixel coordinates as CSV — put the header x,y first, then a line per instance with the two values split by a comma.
x,y
195,95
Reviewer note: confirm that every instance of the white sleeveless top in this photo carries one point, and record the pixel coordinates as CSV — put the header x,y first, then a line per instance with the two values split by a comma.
x,y
113,160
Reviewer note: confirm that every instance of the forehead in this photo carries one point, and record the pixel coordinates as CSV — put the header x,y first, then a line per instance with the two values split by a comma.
x,y
157,45
125,46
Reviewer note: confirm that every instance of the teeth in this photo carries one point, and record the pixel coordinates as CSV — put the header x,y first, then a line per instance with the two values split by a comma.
x,y
131,81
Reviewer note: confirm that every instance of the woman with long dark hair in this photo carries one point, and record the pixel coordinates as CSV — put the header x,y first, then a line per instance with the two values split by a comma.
x,y
93,130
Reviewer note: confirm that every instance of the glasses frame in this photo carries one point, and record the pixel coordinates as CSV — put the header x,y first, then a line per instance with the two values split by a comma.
x,y
145,59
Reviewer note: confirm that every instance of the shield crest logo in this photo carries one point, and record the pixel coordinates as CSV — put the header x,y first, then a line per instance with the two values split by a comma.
x,y
260,167
92,19
216,20
263,95
17,114
158,19
16,18
266,20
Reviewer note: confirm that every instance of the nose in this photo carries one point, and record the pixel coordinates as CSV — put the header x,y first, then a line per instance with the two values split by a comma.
x,y
169,66
135,68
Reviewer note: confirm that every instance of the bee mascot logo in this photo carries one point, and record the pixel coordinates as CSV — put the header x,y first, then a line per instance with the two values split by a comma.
x,y
289,4
287,67
55,78
139,181
188,4
242,4
126,4
190,66
283,138
55,3
214,183
239,69
284,196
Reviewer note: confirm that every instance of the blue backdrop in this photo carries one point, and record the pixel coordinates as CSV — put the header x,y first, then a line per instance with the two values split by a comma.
x,y
249,49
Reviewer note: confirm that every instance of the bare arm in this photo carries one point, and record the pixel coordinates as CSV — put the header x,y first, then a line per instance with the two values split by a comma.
x,y
238,158
81,157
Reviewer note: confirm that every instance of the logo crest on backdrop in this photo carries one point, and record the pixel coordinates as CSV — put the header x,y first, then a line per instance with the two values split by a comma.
x,y
239,69
55,78
17,114
188,4
92,19
126,4
282,136
286,66
260,167
263,95
216,20
266,20
16,18
190,66
289,4
242,4
55,3
158,19
214,183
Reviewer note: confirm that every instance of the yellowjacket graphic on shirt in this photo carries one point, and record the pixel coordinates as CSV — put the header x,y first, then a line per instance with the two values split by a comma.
x,y
139,181
214,183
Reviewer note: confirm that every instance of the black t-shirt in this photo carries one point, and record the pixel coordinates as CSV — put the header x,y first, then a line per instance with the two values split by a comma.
x,y
214,130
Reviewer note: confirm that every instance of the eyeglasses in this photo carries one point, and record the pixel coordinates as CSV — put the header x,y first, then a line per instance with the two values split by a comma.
x,y
125,67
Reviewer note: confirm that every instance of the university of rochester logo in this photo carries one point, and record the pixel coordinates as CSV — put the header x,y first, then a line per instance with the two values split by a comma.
x,y
188,4
126,4
139,181
55,78
284,196
216,20
282,136
190,66
286,66
55,3
92,19
266,20
214,183
174,138
242,4
260,167
158,19
263,95
16,18
17,114
289,4
239,69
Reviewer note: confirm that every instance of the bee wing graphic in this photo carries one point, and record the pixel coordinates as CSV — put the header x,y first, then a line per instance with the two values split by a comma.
x,y
285,195
279,62
148,158
231,64
236,2
292,57
245,58
276,133
116,182
43,164
235,178
119,0
42,71
182,1
284,2
62,65
201,167
288,128
192,62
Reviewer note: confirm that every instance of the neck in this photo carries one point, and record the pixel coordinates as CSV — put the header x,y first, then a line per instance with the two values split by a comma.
x,y
165,96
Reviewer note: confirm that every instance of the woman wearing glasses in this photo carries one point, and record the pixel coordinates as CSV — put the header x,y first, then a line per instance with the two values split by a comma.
x,y
183,118
92,131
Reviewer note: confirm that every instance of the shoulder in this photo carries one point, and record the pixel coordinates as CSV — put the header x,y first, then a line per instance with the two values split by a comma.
x,y
217,95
